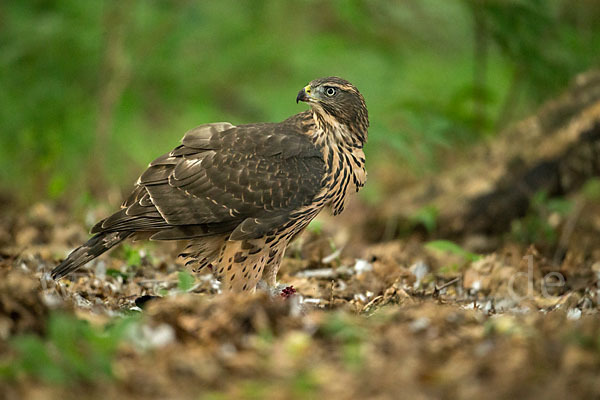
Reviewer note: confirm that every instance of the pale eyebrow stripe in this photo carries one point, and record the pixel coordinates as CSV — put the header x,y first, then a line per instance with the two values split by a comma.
x,y
339,86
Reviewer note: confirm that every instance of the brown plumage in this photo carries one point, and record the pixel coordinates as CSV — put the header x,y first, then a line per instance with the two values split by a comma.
x,y
239,194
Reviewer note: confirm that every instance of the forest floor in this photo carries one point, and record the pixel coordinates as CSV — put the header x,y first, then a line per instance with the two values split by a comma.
x,y
410,317
384,307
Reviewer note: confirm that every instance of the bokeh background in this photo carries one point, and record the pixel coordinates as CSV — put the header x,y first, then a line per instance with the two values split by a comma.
x,y
91,91
467,268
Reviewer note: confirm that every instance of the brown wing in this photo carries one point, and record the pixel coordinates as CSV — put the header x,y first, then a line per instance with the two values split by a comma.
x,y
246,180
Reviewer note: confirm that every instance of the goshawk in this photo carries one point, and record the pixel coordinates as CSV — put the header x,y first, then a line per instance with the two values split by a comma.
x,y
240,194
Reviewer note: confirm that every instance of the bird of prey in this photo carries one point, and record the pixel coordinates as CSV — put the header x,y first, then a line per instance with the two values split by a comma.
x,y
240,194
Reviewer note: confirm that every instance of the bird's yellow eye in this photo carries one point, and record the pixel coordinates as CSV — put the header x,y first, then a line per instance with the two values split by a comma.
x,y
330,91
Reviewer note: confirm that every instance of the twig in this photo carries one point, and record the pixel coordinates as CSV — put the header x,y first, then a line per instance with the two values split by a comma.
x,y
445,285
331,297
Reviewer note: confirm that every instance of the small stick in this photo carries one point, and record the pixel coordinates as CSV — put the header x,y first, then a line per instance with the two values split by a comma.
x,y
331,297
445,285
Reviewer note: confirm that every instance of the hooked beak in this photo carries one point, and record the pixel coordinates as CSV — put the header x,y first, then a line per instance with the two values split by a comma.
x,y
304,94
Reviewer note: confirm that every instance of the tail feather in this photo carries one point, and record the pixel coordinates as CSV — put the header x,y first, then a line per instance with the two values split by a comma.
x,y
94,247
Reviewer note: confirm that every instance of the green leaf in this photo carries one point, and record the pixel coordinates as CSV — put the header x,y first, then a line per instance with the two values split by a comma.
x,y
452,248
186,281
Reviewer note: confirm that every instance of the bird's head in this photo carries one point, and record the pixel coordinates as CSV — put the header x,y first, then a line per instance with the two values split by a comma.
x,y
335,99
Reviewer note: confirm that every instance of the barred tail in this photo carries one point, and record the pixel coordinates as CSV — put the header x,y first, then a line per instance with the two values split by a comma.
x,y
97,245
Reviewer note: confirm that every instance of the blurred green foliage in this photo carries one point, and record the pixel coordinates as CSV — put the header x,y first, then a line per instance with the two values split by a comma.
x,y
73,351
591,189
350,334
90,91
536,226
427,217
